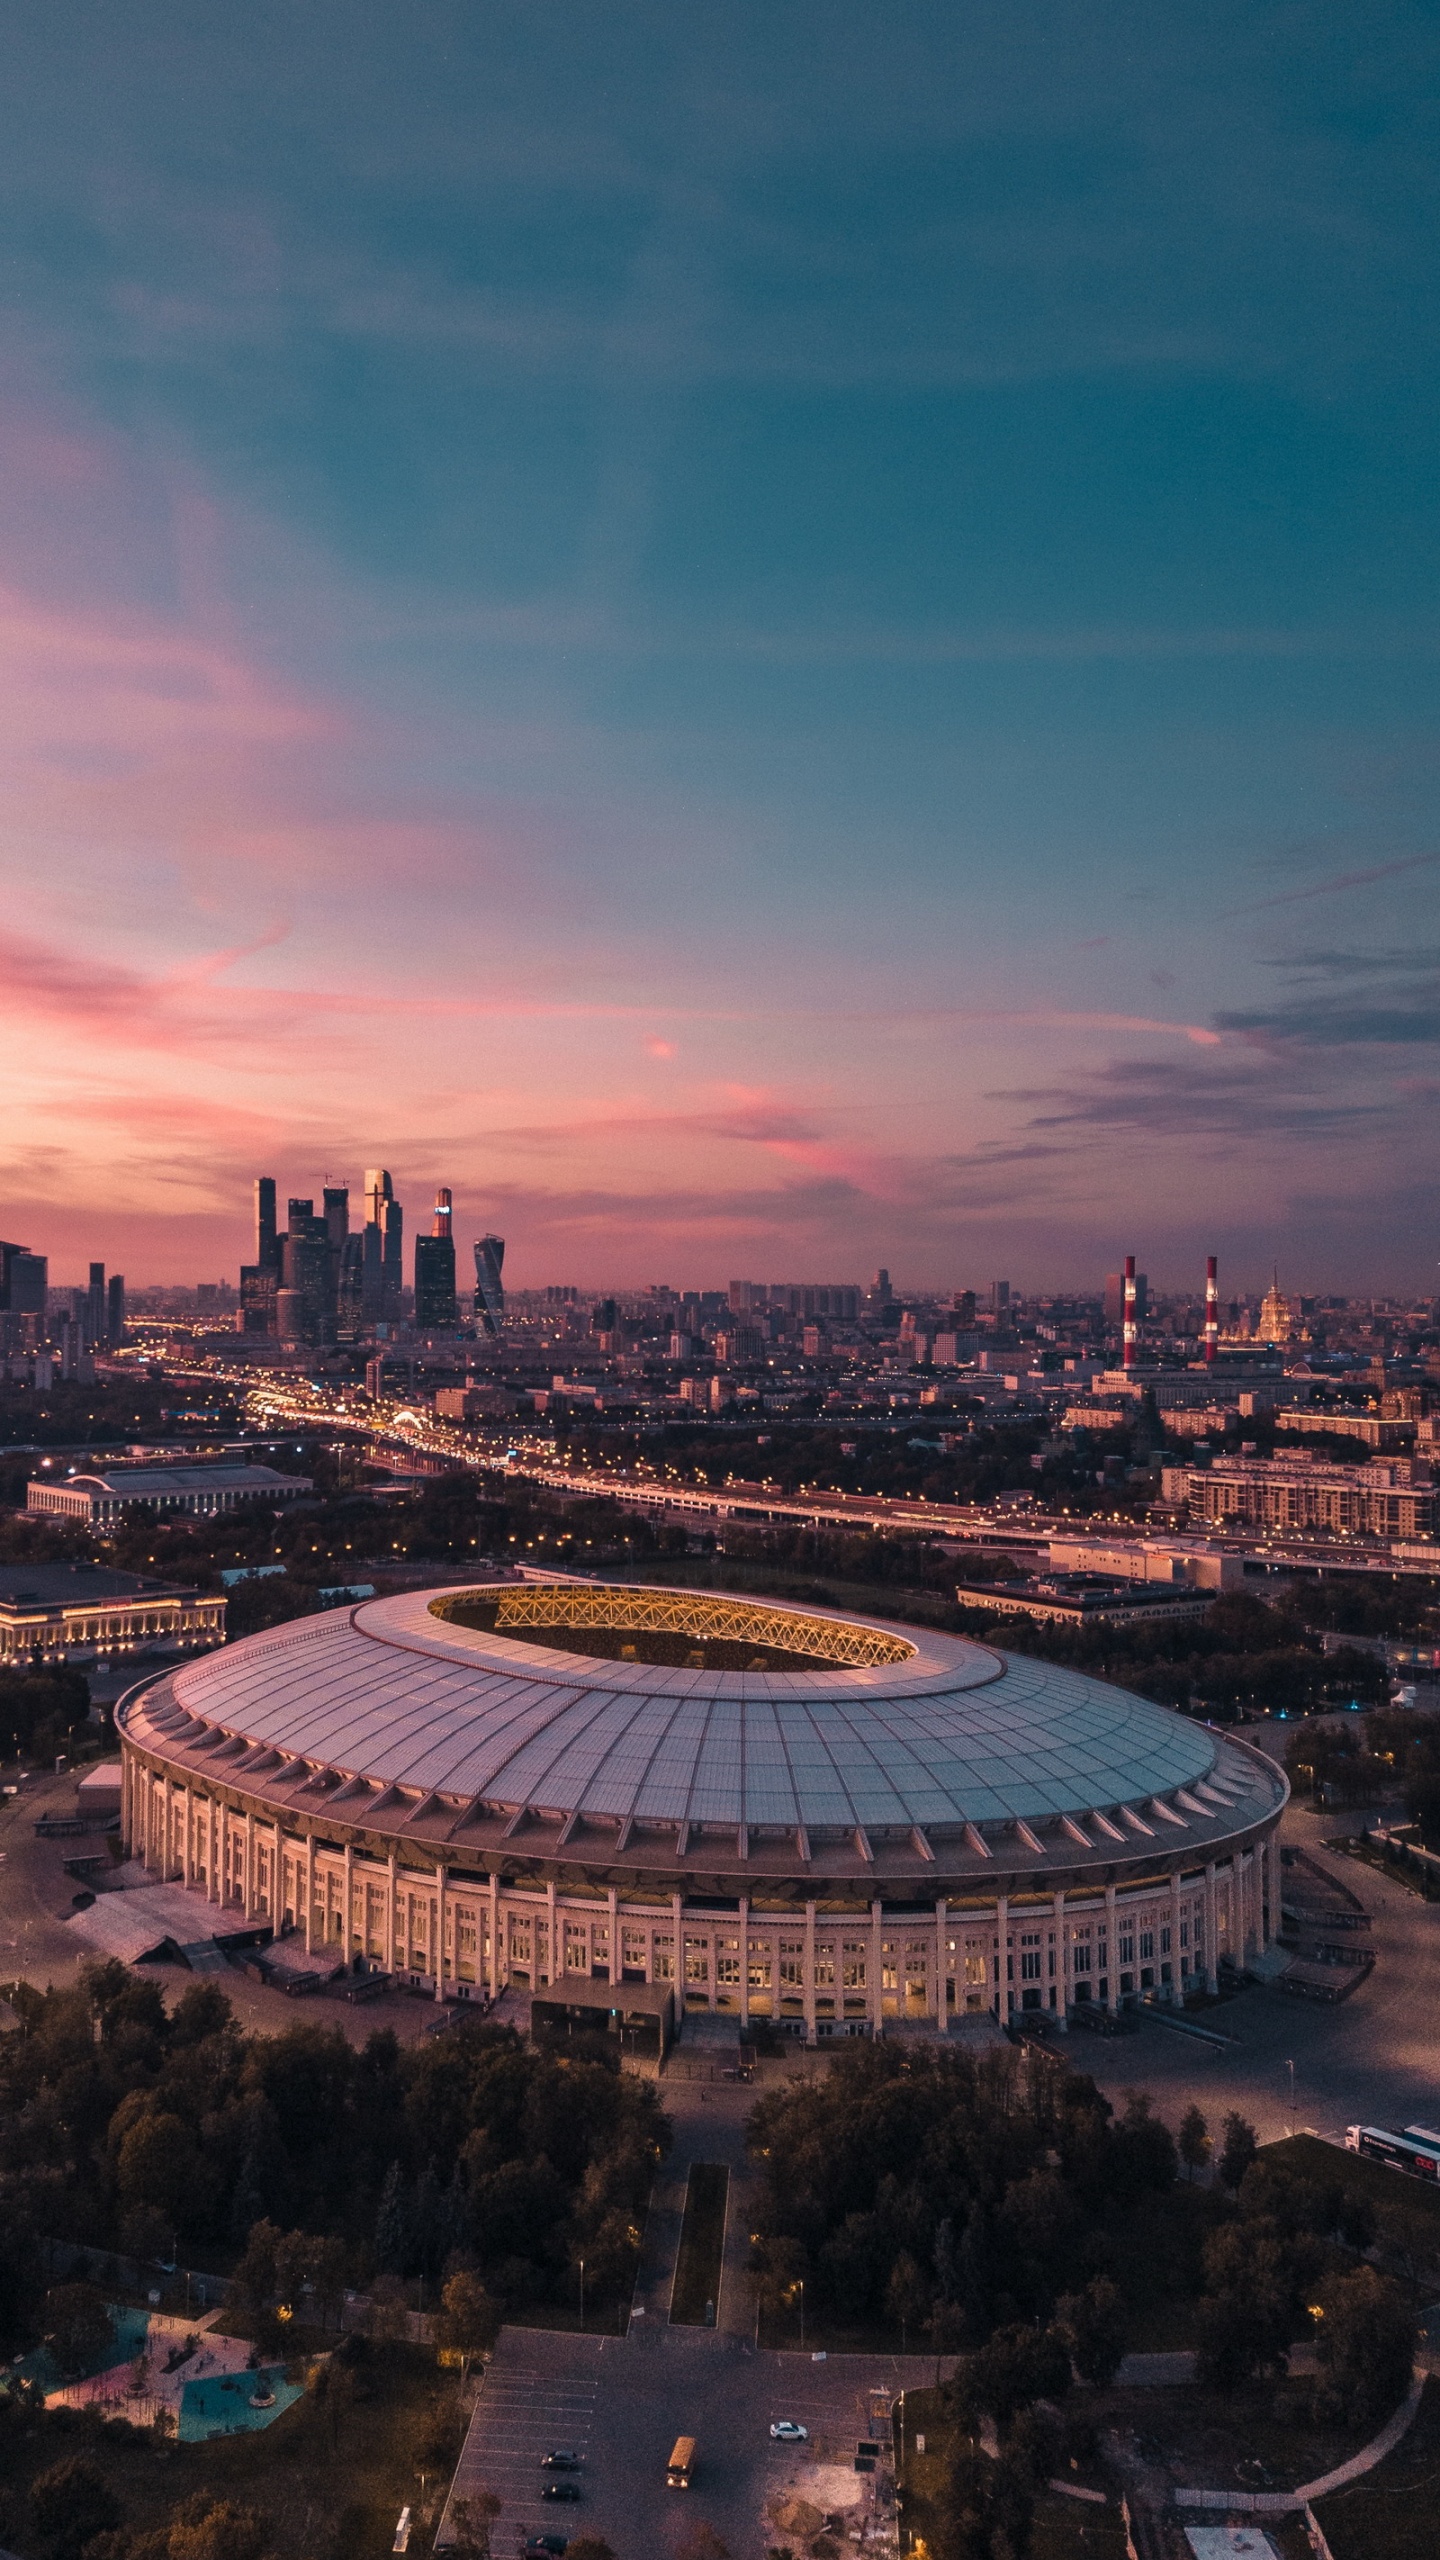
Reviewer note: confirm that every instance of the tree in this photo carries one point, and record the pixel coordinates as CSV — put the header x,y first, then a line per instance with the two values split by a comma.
x,y
590,2546
78,2327
907,2296
1094,2324
1248,2314
69,2504
209,2528
202,2010
392,2223
470,2522
333,2390
987,2510
1193,2143
468,2321
1017,2366
157,2164
1239,2145
327,2276
1366,2344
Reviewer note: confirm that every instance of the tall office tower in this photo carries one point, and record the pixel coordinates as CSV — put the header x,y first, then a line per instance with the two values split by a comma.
x,y
29,1298
384,1213
999,1297
1130,1328
437,1308
267,1234
336,1211
115,1309
965,1306
1212,1310
489,1289
95,1307
257,1298
305,1278
350,1292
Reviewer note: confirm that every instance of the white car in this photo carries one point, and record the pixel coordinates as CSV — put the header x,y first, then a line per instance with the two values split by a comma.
x,y
789,2431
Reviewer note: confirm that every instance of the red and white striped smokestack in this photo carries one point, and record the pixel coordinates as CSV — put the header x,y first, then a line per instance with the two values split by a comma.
x,y
1212,1311
1131,1330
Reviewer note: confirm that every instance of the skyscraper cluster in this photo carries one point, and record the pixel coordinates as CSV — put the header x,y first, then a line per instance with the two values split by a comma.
x,y
34,1318
319,1281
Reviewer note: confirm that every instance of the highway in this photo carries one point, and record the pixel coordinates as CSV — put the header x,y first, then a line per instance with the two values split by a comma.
x,y
395,1428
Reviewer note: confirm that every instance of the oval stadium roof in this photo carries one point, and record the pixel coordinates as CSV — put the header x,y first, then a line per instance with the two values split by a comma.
x,y
949,1734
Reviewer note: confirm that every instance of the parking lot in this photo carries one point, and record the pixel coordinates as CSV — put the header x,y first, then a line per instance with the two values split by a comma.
x,y
528,2408
623,2402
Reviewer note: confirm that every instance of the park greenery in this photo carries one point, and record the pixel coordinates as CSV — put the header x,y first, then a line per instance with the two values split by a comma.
x,y
998,2208
299,2162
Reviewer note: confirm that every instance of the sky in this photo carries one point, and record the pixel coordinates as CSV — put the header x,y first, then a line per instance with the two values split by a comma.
x,y
771,638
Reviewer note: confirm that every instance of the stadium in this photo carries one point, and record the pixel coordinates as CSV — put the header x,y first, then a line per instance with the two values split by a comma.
x,y
791,1814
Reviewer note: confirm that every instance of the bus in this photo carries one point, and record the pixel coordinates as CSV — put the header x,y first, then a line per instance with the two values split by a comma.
x,y
681,2463
1397,2150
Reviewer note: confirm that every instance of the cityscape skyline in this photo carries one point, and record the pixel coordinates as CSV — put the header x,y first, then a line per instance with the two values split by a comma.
x,y
881,709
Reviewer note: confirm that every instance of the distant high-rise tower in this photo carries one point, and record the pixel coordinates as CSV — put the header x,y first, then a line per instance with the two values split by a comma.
x,y
267,1233
95,1307
489,1288
260,1279
115,1309
385,1267
1130,1333
1212,1310
437,1307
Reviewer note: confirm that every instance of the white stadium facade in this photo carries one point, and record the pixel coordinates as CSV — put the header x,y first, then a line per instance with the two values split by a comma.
x,y
775,1812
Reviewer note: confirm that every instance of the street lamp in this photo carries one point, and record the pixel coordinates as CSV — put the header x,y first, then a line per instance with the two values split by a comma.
x,y
802,2311
582,2296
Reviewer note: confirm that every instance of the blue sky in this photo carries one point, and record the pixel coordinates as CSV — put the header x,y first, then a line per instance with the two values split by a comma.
x,y
769,638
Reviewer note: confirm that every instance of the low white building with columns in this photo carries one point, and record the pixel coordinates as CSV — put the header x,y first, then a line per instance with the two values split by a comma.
x,y
781,1813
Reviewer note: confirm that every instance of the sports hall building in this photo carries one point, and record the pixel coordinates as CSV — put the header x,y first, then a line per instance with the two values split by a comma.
x,y
775,1812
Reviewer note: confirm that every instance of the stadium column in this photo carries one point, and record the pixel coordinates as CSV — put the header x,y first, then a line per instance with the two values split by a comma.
x,y
677,1908
1062,1968
942,1961
249,1866
810,1973
1246,1864
440,1935
1177,1962
187,1816
1212,1931
877,1993
744,1962
551,1967
1269,1889
391,1892
347,1935
616,1968
309,1893
494,1937
1112,1955
1002,1958
212,1874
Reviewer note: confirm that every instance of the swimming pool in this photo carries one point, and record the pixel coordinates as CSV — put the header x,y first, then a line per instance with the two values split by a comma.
x,y
218,2404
